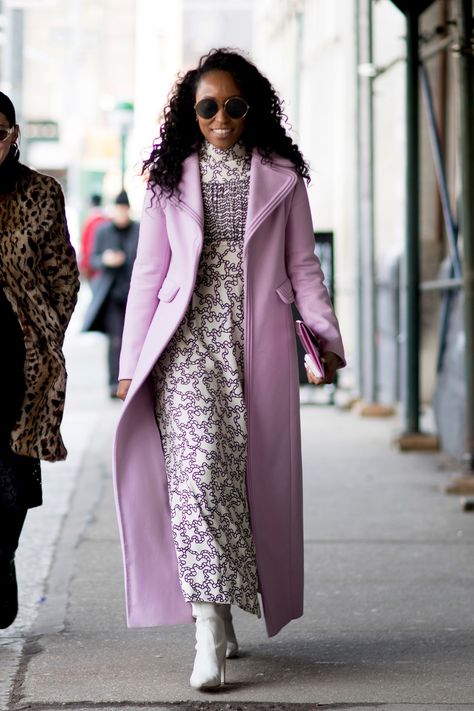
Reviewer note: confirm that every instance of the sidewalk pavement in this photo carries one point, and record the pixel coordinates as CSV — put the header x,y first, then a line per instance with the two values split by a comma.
x,y
389,612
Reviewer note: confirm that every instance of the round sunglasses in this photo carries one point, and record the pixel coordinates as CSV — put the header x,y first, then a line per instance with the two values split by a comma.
x,y
5,132
235,107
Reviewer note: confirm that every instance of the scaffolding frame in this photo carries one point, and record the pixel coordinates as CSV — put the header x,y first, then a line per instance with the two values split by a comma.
x,y
461,275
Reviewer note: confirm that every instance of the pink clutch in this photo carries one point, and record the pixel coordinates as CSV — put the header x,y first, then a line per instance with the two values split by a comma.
x,y
311,345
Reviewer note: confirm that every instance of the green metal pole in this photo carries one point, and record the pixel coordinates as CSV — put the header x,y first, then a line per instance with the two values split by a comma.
x,y
123,156
411,376
466,152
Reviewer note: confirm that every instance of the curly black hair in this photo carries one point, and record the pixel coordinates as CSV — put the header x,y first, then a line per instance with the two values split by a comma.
x,y
180,134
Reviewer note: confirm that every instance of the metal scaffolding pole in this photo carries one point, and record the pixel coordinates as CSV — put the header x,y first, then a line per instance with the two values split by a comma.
x,y
359,335
411,357
466,152
366,195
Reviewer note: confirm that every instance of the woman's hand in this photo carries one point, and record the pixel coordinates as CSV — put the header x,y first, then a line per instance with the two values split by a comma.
x,y
122,389
331,361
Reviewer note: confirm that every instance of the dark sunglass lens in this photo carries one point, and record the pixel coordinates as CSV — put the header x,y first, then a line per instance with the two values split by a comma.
x,y
3,134
236,108
207,108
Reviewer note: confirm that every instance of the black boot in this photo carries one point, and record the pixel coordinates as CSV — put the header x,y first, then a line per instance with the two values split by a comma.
x,y
10,529
8,594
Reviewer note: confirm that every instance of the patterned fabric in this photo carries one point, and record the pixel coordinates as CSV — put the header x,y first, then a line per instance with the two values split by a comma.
x,y
39,276
200,405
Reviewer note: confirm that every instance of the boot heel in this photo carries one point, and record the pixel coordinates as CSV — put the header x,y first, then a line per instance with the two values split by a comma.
x,y
232,644
223,672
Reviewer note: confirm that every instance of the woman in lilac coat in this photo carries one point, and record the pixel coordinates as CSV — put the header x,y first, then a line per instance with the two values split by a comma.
x,y
207,450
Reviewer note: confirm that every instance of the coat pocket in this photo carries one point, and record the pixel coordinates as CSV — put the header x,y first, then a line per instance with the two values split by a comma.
x,y
168,290
285,292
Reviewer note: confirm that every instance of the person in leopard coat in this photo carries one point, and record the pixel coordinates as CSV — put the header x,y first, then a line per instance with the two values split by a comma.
x,y
38,290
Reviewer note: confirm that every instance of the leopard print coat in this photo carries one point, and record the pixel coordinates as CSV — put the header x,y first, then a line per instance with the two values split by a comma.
x,y
39,276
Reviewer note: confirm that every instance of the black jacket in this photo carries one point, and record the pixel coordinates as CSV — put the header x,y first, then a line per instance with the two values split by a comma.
x,y
110,282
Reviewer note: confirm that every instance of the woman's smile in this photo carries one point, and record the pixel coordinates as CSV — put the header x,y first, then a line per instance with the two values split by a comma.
x,y
221,134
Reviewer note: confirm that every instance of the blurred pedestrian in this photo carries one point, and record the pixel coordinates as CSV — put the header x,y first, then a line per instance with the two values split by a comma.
x,y
38,290
115,248
95,217
207,450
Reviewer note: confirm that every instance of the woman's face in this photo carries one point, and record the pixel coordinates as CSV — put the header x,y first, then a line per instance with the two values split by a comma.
x,y
220,130
5,145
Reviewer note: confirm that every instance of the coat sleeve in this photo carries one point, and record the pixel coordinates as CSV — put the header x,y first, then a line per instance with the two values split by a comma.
x,y
149,270
59,260
306,276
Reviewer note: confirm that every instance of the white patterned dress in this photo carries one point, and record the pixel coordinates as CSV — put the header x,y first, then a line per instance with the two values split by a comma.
x,y
200,406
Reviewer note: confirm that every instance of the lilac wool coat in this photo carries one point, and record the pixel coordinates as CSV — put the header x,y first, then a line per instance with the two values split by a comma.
x,y
279,268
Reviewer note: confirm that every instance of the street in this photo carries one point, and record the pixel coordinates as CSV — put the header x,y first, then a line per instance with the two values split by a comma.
x,y
389,611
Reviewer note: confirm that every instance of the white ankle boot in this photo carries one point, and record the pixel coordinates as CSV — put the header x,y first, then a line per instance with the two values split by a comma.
x,y
209,663
232,649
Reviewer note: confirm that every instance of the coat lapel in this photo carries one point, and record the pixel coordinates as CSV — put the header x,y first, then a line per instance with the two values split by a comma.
x,y
270,183
190,196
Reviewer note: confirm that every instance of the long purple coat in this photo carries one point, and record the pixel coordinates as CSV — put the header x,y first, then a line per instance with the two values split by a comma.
x,y
279,268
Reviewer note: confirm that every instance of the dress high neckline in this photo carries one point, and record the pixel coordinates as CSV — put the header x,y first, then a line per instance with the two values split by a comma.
x,y
235,152
219,165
